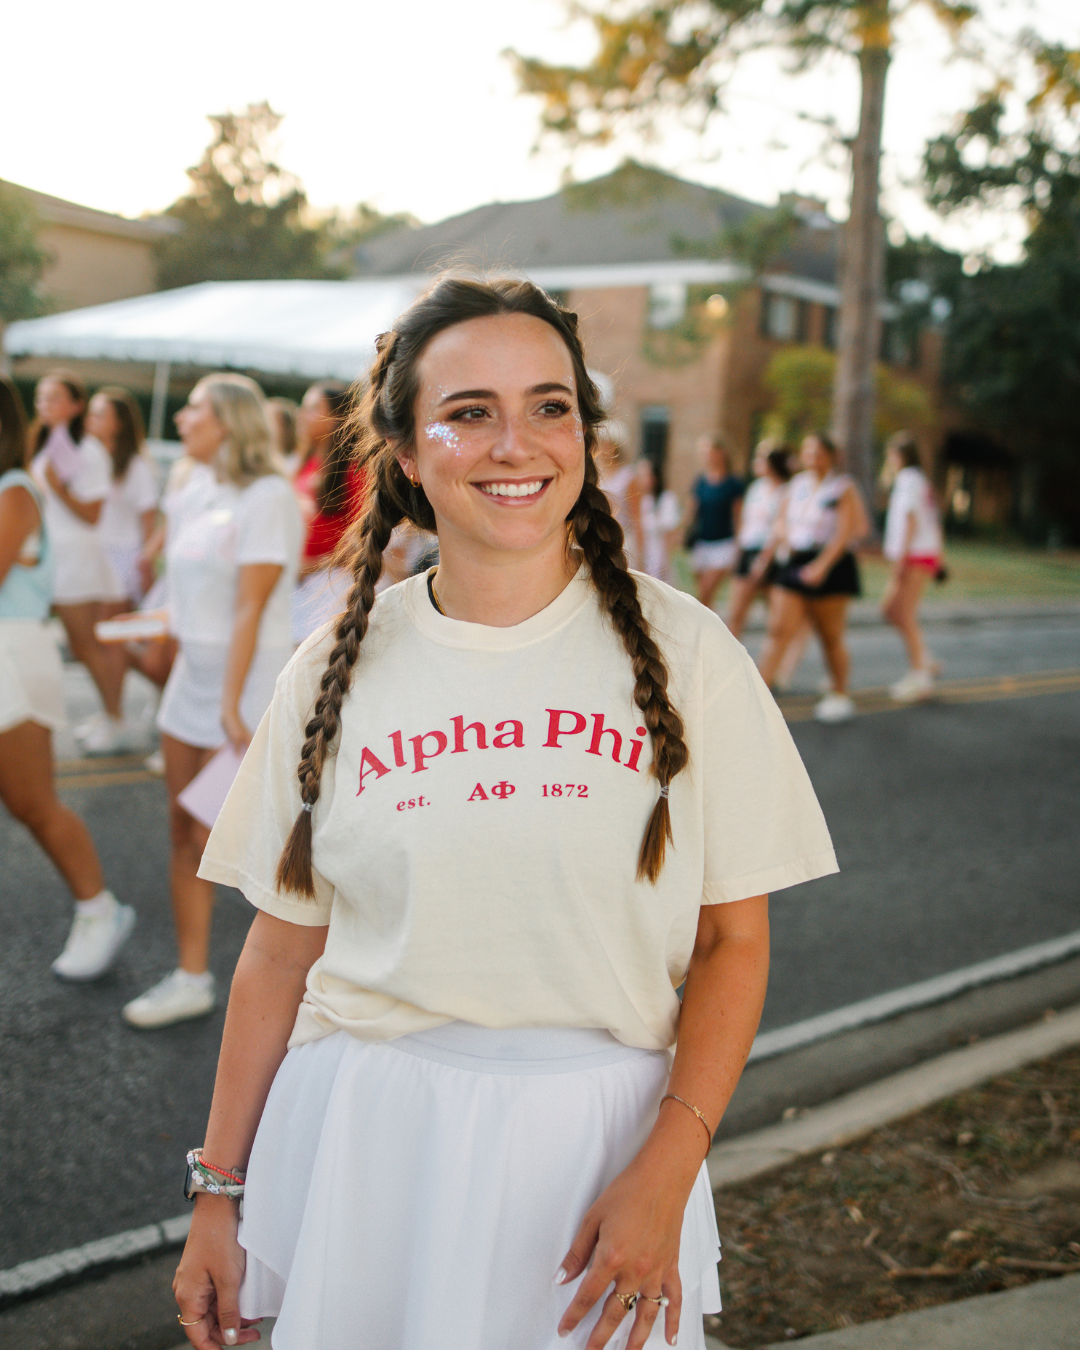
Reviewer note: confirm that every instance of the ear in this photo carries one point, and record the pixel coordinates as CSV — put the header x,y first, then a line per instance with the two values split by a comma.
x,y
407,460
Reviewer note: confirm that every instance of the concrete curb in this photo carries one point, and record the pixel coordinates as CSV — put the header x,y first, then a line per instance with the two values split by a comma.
x,y
902,1094
30,1276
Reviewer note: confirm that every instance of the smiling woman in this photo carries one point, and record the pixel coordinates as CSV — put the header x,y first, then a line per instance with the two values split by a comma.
x,y
445,1061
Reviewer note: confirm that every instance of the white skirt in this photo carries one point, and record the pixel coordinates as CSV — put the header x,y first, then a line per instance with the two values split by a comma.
x,y
421,1193
714,555
190,706
31,675
82,571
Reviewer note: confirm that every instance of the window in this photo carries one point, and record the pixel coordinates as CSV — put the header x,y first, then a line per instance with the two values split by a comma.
x,y
655,426
779,317
667,304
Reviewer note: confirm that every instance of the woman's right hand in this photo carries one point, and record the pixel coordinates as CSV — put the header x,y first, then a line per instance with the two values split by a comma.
x,y
207,1281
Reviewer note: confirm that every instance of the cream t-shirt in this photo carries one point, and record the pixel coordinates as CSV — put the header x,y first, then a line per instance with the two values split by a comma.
x,y
477,832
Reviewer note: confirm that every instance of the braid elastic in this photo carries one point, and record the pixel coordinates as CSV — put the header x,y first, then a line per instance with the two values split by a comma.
x,y
600,538
294,871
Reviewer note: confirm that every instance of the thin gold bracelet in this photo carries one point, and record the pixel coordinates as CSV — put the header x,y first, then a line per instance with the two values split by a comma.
x,y
690,1107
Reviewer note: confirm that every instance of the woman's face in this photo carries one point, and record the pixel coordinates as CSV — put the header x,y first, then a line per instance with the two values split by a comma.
x,y
314,422
712,458
815,457
761,466
646,477
102,420
55,404
198,425
500,449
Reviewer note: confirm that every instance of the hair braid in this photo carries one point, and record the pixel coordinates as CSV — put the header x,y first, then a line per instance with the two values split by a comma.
x,y
600,538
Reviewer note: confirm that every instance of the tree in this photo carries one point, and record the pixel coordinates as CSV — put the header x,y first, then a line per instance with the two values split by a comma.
x,y
244,218
1012,348
21,260
656,56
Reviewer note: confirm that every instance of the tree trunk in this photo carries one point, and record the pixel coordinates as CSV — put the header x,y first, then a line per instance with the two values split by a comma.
x,y
862,264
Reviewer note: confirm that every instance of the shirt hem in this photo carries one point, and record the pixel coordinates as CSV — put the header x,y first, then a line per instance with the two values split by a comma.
x,y
770,879
307,914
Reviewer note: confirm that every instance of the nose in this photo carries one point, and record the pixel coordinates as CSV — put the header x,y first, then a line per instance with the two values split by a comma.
x,y
514,443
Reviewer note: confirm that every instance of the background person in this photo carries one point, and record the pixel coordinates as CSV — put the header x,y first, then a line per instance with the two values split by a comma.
x,y
618,482
283,414
913,544
716,497
431,1001
330,486
232,552
74,472
772,473
660,516
32,707
820,519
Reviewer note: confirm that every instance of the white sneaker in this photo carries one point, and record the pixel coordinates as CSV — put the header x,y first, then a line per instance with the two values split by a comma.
x,y
106,738
915,685
94,942
835,708
179,996
89,725
155,763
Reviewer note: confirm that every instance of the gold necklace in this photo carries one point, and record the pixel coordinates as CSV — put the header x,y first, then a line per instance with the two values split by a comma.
x,y
435,597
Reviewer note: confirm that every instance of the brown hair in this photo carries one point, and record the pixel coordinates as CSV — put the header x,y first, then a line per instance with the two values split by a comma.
x,y
779,459
282,415
130,434
13,442
39,432
827,444
385,421
907,447
331,495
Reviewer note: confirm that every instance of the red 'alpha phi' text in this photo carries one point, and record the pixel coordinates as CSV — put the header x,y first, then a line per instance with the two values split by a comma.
x,y
566,729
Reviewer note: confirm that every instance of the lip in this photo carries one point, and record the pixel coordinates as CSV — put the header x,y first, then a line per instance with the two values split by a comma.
x,y
545,483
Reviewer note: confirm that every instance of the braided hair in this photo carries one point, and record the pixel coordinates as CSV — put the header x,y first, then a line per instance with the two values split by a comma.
x,y
384,420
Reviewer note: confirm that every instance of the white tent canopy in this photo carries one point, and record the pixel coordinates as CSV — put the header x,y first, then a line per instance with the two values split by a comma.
x,y
303,328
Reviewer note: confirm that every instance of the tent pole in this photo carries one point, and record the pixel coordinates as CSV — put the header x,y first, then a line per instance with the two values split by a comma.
x,y
158,399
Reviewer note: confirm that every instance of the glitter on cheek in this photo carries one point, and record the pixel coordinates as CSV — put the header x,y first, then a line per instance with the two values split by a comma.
x,y
444,432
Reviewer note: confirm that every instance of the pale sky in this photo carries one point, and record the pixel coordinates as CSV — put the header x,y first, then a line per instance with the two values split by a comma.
x,y
410,105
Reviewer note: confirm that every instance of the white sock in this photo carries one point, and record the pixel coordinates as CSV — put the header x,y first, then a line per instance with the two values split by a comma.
x,y
202,979
97,906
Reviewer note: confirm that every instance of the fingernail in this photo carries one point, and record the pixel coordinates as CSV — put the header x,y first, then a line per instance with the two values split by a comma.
x,y
560,1278
229,1335
675,1339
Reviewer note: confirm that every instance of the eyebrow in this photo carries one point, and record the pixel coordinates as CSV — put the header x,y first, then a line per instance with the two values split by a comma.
x,y
552,387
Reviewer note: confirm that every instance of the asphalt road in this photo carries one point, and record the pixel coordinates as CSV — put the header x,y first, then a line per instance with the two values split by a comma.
x,y
954,823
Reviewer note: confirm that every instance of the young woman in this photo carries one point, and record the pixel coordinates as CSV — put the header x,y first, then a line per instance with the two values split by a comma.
x,y
478,1137
619,483
772,473
283,414
32,706
74,471
716,499
330,486
821,517
659,514
232,551
913,544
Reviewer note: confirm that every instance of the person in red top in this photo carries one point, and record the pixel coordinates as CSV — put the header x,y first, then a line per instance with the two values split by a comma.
x,y
330,486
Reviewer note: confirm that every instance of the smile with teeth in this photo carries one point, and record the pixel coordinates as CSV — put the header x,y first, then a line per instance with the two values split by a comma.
x,y
523,489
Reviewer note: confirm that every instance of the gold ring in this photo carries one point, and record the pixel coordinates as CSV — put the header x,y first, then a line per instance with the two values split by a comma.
x,y
628,1300
661,1302
180,1319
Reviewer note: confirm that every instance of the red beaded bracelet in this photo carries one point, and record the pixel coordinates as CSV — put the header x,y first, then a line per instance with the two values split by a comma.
x,y
220,1171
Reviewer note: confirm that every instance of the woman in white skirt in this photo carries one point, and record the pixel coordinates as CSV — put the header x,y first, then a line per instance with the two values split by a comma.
x,y
32,708
478,1136
231,554
74,472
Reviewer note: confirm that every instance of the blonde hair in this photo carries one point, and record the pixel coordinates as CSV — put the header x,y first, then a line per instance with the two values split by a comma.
x,y
247,451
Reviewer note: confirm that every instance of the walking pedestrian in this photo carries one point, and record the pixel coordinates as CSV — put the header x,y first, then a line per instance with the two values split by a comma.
x,y
913,544
330,486
821,517
772,473
618,482
476,964
74,471
32,707
660,515
232,552
716,499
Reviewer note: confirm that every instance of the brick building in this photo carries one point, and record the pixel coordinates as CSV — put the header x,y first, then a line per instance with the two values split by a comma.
x,y
683,332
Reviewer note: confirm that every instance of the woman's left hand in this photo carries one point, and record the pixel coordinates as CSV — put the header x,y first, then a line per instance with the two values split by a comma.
x,y
632,1234
238,735
813,574
54,480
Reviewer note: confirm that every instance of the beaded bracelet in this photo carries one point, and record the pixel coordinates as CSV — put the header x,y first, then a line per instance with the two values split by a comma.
x,y
205,1176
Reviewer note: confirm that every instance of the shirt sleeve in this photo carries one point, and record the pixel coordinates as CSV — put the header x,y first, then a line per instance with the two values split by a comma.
x,y
93,478
269,523
764,829
264,801
141,486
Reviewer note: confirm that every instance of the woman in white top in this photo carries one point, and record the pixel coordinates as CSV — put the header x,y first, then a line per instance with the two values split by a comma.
x,y
660,514
454,822
619,483
74,472
32,707
913,544
772,473
231,556
820,519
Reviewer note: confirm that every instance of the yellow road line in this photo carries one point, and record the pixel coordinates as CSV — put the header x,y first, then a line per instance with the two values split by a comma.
x,y
989,690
